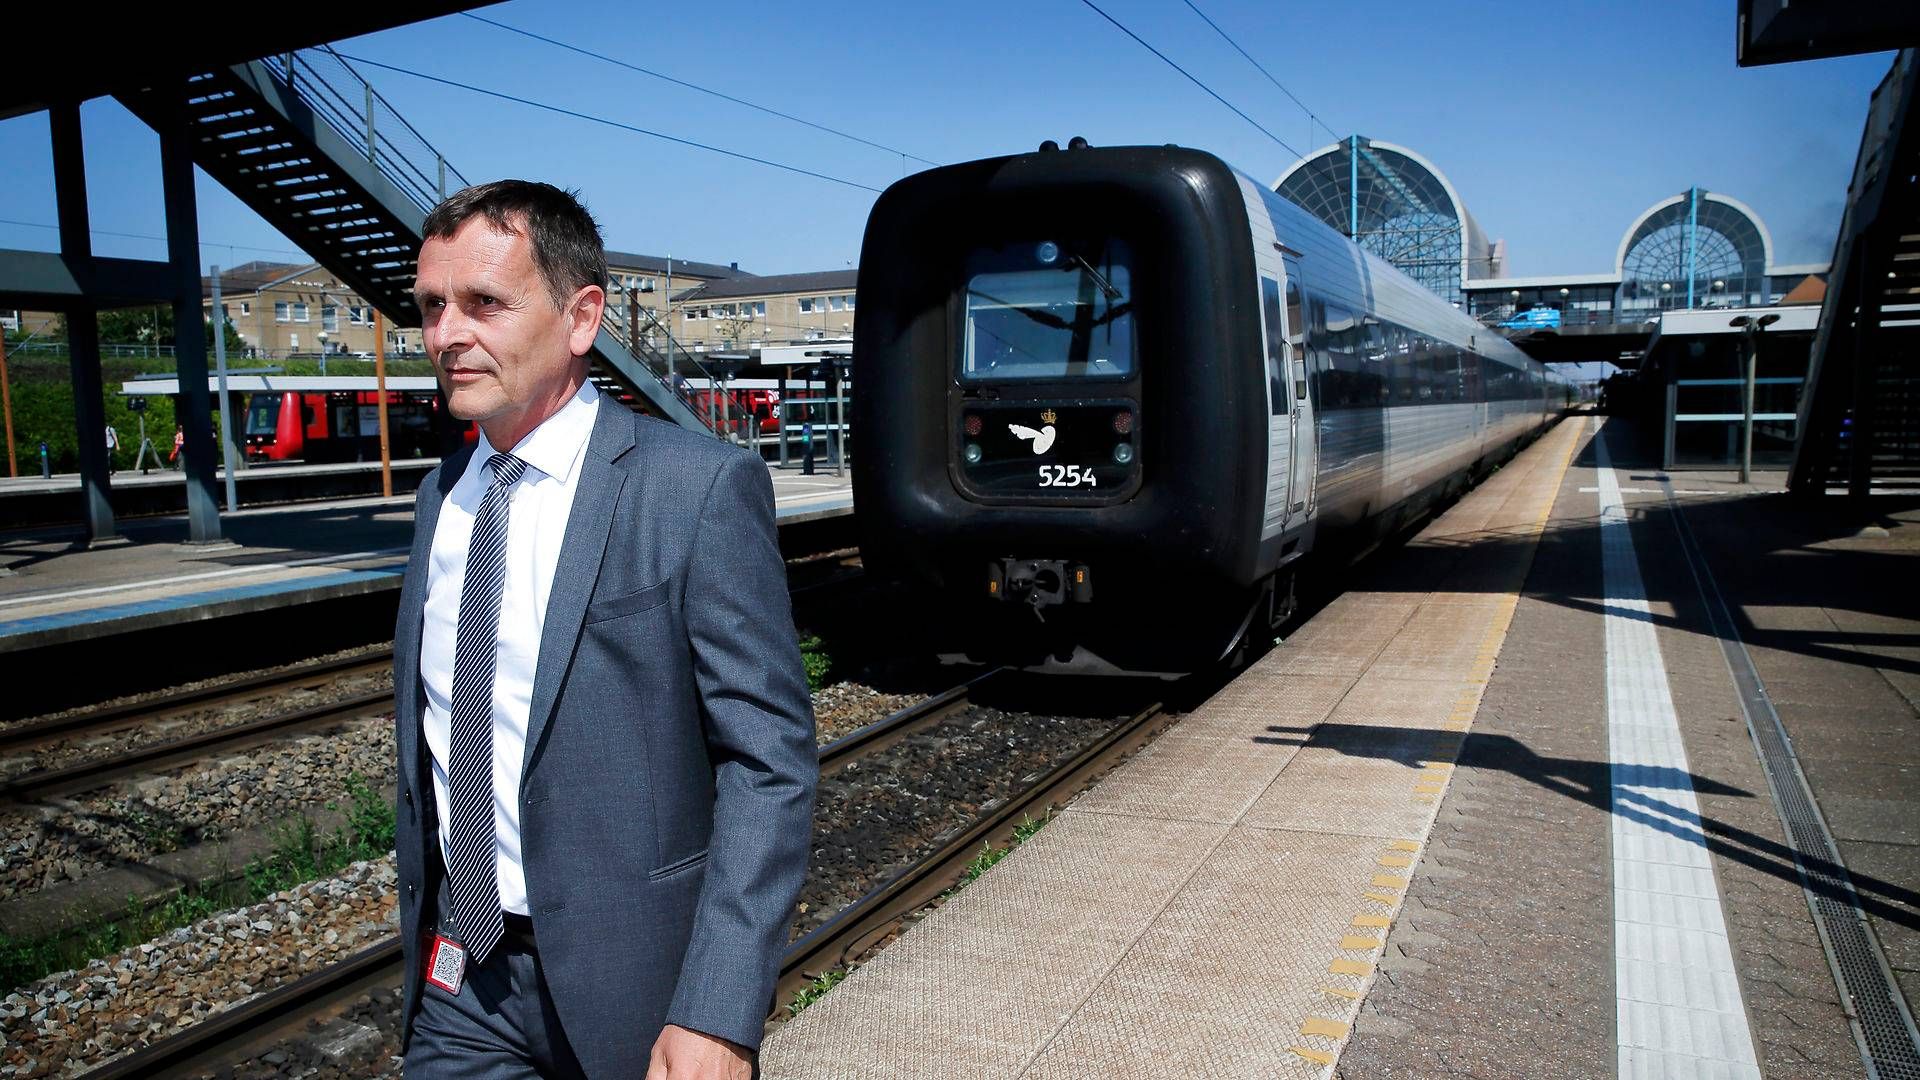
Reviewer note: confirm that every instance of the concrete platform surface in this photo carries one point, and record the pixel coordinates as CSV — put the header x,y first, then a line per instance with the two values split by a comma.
x,y
55,588
1494,812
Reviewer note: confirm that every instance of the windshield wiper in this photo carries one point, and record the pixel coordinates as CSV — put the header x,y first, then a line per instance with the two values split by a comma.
x,y
1105,285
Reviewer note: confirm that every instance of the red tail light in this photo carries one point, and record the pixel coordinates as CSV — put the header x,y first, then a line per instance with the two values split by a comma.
x,y
1123,422
973,424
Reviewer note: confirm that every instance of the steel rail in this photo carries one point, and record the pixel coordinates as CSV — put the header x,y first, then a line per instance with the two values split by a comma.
x,y
131,712
377,963
89,774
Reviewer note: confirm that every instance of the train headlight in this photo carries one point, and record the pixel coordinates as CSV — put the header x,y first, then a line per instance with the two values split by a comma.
x,y
1048,252
972,453
1123,453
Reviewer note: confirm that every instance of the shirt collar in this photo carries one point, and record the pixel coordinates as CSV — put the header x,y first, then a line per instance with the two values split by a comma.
x,y
554,448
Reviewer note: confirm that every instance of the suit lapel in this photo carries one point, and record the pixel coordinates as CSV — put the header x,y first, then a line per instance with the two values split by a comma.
x,y
413,600
588,525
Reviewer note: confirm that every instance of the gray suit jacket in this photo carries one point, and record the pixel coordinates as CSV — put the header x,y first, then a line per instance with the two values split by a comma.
x,y
666,807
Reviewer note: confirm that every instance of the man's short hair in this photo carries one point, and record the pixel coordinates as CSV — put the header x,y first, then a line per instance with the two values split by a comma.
x,y
567,247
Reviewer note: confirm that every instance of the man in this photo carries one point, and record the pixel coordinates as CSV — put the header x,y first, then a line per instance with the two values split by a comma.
x,y
606,756
113,447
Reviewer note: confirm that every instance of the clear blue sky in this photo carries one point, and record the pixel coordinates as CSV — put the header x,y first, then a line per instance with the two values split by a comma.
x,y
1557,123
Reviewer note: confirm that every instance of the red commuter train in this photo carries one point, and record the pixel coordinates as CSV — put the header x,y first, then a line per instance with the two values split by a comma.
x,y
344,425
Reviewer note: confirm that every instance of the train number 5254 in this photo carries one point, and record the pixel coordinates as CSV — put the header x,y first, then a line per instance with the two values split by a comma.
x,y
1067,476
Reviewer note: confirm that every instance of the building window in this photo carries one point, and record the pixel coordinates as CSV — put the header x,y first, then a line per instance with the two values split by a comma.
x,y
280,309
299,312
836,303
849,299
806,305
329,318
246,307
760,308
293,341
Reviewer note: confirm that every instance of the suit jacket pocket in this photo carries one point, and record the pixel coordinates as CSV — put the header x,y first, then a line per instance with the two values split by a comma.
x,y
631,603
673,868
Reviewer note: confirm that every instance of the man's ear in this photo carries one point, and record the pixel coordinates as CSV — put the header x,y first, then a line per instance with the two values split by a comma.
x,y
588,305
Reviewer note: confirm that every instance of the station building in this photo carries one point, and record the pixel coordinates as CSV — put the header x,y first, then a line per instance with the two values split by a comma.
x,y
745,312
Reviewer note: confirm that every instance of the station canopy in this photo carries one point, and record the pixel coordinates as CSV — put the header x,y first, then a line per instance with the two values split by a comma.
x,y
1397,205
1696,249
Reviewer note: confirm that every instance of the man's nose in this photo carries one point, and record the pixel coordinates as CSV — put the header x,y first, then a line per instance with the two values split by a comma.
x,y
450,330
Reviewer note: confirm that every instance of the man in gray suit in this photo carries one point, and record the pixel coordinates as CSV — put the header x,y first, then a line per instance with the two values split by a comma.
x,y
606,755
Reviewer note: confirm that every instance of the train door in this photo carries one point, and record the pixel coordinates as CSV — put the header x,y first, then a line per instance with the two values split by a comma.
x,y
1280,420
1304,412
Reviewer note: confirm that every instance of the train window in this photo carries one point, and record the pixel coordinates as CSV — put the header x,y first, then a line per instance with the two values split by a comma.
x,y
1045,311
1276,347
263,414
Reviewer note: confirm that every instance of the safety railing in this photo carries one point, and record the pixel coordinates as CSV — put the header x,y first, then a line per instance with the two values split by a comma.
x,y
623,317
356,112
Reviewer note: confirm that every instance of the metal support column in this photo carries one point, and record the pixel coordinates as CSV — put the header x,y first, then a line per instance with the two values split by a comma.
x,y
1673,408
190,338
83,327
1866,327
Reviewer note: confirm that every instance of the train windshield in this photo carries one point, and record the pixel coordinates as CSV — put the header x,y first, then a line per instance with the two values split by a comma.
x,y
1047,310
263,414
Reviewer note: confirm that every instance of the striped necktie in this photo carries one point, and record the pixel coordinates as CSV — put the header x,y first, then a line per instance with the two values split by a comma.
x,y
470,850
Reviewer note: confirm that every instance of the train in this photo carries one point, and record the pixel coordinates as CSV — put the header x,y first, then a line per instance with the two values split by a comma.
x,y
1116,401
344,425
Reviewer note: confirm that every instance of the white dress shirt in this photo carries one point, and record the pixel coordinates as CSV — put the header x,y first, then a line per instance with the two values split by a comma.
x,y
540,504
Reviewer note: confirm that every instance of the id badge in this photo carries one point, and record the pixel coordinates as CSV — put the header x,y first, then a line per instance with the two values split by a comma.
x,y
446,964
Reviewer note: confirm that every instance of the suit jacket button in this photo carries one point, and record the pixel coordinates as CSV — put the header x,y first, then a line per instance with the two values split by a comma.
x,y
409,797
409,890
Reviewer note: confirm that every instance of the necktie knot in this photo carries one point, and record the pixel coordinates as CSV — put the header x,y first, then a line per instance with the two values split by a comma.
x,y
506,469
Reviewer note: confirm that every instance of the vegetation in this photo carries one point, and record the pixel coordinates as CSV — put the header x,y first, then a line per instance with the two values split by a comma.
x,y
813,656
989,855
300,853
814,991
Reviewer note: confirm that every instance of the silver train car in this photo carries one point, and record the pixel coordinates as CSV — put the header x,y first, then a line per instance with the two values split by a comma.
x,y
1113,402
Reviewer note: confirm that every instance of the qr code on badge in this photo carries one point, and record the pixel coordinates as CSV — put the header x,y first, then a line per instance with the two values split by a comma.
x,y
446,965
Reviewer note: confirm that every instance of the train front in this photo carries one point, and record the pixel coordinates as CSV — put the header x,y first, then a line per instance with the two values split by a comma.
x,y
1059,409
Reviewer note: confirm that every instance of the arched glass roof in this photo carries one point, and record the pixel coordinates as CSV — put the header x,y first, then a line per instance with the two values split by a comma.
x,y
1395,204
1698,249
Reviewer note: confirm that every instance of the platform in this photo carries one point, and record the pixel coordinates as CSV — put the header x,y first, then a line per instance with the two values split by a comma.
x,y
1494,812
54,589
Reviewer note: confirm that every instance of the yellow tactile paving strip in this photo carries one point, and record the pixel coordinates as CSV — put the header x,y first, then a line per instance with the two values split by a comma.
x,y
1217,905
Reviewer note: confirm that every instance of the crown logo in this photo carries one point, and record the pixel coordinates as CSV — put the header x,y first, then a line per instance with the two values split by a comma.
x,y
1047,417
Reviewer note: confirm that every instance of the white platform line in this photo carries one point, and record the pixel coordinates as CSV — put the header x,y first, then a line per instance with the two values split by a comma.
x,y
1678,1008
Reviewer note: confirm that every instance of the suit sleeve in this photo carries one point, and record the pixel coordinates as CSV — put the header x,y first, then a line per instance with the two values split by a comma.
x,y
759,731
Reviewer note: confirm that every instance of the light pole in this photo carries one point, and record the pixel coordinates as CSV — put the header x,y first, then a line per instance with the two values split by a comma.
x,y
322,336
1750,338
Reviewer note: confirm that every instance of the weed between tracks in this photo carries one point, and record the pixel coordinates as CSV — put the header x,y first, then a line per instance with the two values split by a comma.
x,y
300,853
976,866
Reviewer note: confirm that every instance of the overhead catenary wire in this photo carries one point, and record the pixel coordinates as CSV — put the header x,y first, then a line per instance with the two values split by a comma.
x,y
589,117
696,86
1190,78
1228,38
148,236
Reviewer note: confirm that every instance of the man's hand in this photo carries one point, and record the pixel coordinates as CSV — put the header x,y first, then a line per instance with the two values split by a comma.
x,y
684,1054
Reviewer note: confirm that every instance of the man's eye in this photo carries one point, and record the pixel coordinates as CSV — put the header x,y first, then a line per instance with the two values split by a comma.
x,y
488,301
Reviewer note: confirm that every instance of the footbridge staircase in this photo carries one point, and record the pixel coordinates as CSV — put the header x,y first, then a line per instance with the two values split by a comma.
x,y
309,144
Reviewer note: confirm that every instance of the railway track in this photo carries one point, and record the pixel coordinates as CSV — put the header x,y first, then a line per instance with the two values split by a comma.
x,y
816,579
284,1012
